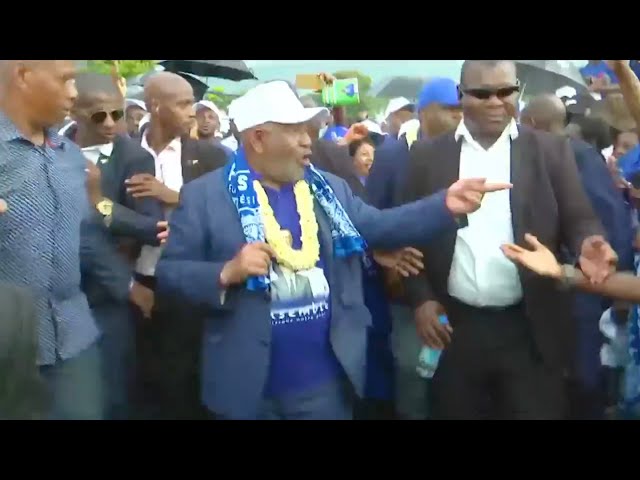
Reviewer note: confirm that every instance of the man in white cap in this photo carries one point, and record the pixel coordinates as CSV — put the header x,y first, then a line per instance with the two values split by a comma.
x,y
399,111
134,113
209,119
275,354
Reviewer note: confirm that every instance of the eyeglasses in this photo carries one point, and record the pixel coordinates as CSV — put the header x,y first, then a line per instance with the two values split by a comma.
x,y
487,93
100,117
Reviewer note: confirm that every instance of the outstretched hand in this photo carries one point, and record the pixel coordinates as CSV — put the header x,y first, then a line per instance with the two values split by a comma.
x,y
466,195
405,261
597,259
539,259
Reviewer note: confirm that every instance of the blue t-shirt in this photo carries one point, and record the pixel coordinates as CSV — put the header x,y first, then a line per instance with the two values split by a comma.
x,y
335,133
301,352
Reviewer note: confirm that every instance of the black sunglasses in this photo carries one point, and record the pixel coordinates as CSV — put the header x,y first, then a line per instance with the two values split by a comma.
x,y
100,117
487,93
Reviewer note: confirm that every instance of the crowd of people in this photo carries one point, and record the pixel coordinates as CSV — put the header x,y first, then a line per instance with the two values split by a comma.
x,y
168,259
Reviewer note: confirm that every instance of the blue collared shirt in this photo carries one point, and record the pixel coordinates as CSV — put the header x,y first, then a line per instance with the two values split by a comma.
x,y
40,236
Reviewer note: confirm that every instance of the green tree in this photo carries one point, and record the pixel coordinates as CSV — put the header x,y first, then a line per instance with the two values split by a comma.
x,y
217,96
128,68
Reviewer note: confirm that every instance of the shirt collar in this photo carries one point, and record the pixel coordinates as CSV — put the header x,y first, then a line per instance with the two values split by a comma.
x,y
511,130
105,149
175,144
9,132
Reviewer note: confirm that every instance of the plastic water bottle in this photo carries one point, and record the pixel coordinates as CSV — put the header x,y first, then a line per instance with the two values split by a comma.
x,y
429,357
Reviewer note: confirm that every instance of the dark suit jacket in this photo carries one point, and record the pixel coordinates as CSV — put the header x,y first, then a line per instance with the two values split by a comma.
x,y
388,173
333,158
131,218
610,207
547,200
22,394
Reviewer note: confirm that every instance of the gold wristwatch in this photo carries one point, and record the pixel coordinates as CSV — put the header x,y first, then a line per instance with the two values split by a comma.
x,y
105,208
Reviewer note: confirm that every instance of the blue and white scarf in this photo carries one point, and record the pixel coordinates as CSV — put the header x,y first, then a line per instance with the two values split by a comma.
x,y
346,239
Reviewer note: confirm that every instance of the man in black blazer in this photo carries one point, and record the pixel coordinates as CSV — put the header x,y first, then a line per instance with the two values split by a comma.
x,y
509,339
117,220
167,346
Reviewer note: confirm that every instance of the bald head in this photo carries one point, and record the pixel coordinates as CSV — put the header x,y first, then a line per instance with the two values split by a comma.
x,y
169,99
545,112
165,85
42,92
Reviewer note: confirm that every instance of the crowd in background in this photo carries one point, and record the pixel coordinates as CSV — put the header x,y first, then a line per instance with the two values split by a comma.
x,y
468,255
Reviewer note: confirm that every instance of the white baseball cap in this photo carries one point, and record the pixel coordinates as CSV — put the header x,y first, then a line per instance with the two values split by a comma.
x,y
271,102
132,102
396,104
372,127
208,104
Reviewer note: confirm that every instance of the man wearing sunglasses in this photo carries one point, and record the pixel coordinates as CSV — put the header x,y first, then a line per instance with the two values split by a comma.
x,y
167,347
117,221
508,341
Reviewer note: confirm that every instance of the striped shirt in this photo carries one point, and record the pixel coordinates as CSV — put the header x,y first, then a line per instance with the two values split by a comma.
x,y
40,236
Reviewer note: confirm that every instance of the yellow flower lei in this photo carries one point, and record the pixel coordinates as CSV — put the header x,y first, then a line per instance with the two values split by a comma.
x,y
309,254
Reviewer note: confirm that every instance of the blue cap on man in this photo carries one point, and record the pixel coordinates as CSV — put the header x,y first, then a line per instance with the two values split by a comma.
x,y
443,91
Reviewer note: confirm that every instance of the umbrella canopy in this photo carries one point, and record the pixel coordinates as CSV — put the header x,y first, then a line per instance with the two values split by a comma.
x,y
229,69
391,87
547,76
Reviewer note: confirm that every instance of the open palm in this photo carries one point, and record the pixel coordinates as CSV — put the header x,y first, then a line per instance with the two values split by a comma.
x,y
539,260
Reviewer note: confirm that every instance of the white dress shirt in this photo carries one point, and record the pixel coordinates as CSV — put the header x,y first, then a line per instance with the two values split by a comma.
x,y
480,274
168,166
94,152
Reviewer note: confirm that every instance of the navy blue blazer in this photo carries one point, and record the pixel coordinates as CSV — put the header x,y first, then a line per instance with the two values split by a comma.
x,y
608,204
607,201
238,332
387,176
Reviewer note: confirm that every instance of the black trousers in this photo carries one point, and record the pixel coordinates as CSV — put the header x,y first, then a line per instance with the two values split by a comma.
x,y
491,369
168,354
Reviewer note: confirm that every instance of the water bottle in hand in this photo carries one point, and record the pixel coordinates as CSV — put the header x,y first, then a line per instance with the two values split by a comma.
x,y
429,357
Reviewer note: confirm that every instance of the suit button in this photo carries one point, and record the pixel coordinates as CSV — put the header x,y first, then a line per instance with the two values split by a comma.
x,y
265,343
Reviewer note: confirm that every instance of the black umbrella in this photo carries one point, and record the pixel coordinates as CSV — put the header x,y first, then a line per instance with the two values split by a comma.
x,y
229,69
547,76
391,87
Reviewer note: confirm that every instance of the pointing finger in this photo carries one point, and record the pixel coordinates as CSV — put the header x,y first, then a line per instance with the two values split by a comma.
x,y
494,187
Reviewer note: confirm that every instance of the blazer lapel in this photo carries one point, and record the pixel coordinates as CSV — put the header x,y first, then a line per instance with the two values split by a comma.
x,y
521,174
326,240
449,167
449,164
187,156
